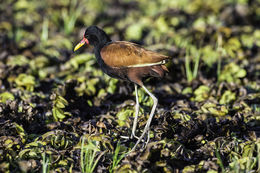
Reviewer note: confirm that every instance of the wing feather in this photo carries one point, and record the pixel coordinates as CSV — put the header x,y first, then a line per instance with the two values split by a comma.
x,y
127,54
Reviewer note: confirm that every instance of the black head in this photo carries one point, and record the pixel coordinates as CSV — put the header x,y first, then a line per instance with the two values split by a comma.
x,y
96,36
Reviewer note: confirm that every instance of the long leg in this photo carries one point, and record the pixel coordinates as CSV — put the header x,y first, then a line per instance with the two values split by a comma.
x,y
136,113
147,126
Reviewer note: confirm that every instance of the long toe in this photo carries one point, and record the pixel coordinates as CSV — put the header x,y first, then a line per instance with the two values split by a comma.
x,y
136,137
124,137
148,138
144,140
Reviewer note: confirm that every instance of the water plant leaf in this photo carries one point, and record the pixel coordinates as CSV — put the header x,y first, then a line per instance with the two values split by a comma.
x,y
201,93
227,97
6,96
25,80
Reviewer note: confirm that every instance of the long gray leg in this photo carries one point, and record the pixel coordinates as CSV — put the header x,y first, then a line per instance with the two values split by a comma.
x,y
136,113
147,126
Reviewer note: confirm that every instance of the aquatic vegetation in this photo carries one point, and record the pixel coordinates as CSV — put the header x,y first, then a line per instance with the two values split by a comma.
x,y
60,113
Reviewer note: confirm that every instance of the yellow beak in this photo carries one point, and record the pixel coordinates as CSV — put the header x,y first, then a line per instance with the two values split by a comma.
x,y
81,43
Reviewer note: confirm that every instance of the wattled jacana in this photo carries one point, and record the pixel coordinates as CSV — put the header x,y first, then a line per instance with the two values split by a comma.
x,y
127,61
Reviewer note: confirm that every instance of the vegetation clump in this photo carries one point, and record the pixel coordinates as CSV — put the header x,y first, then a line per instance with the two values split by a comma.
x,y
60,113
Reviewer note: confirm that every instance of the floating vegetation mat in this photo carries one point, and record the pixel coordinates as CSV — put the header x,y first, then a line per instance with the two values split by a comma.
x,y
60,113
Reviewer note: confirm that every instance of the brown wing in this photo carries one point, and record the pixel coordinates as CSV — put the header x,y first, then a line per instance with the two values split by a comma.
x,y
124,54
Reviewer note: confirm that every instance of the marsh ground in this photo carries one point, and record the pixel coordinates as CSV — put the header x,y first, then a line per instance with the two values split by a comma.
x,y
51,98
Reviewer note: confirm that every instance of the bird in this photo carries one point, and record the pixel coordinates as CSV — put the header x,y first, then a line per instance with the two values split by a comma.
x,y
127,61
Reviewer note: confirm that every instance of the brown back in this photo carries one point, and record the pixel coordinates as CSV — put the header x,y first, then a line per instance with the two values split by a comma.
x,y
123,54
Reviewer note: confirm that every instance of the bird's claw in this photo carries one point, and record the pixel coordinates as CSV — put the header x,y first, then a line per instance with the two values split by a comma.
x,y
134,136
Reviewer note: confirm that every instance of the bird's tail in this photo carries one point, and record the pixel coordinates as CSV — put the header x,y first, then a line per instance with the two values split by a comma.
x,y
158,70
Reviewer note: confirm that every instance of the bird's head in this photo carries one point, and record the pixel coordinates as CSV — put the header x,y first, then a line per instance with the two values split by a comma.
x,y
93,36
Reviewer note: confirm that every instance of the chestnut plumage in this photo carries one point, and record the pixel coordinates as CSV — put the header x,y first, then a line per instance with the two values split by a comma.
x,y
127,61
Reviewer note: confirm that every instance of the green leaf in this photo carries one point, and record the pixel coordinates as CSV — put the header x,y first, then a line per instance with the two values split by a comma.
x,y
162,25
216,110
19,60
232,46
62,100
227,97
134,31
123,115
241,73
201,93
19,128
232,73
59,104
58,114
21,153
6,96
200,25
25,80
187,90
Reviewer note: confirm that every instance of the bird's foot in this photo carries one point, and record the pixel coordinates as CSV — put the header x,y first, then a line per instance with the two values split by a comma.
x,y
134,136
148,138
125,137
131,137
144,139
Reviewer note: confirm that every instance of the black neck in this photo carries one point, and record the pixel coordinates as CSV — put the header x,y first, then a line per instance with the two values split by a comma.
x,y
101,41
101,44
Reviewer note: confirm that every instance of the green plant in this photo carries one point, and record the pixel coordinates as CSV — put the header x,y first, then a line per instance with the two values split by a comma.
x,y
25,81
220,163
45,163
221,51
245,157
6,96
89,155
70,16
192,74
45,26
201,93
116,158
232,73
123,115
59,103
227,97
